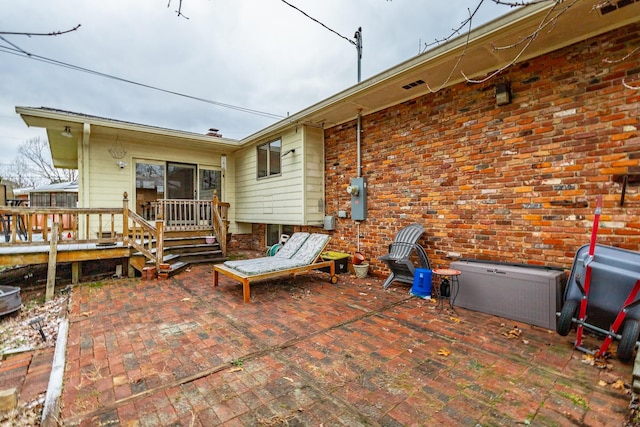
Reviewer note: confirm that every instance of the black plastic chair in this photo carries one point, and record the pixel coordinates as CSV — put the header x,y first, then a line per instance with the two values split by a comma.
x,y
399,259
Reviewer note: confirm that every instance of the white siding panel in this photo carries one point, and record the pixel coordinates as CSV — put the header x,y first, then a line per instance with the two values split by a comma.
x,y
108,182
314,176
276,199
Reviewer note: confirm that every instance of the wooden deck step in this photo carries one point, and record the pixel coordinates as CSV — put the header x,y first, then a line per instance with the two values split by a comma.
x,y
168,270
177,267
166,259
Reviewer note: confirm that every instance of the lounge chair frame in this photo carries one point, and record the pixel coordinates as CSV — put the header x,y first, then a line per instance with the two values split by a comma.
x,y
247,279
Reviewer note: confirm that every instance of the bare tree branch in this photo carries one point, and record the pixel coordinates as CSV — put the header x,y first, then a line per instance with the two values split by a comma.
x,y
630,86
53,33
624,58
179,11
33,166
18,173
455,31
547,20
518,3
459,57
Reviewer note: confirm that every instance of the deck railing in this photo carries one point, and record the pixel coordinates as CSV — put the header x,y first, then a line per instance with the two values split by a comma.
x,y
33,225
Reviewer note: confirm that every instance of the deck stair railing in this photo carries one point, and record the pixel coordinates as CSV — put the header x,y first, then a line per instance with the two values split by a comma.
x,y
143,236
220,222
206,216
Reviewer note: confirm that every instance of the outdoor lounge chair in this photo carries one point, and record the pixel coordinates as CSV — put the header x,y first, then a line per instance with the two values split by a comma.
x,y
300,254
400,252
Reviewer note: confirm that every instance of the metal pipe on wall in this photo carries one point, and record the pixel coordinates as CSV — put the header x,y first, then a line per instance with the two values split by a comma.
x,y
359,167
358,148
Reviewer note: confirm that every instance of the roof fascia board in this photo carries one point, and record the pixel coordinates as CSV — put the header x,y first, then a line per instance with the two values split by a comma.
x,y
115,124
476,37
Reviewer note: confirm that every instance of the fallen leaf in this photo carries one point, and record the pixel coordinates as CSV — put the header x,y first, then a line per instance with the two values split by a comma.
x,y
600,362
588,359
618,385
454,319
238,369
525,342
444,352
513,333
185,299
410,351
602,383
288,379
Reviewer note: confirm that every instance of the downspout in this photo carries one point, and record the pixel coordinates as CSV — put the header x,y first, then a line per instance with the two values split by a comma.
x,y
358,37
359,167
358,147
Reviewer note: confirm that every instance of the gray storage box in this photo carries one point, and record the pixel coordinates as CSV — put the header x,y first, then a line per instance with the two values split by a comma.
x,y
526,294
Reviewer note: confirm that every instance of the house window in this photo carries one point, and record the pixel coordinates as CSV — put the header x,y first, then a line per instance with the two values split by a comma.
x,y
149,187
210,183
269,158
275,230
58,200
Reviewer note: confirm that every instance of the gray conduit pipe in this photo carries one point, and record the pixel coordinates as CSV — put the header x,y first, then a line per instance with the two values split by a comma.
x,y
358,149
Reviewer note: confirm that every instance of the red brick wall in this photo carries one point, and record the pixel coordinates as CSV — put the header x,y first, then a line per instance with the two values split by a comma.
x,y
256,241
515,183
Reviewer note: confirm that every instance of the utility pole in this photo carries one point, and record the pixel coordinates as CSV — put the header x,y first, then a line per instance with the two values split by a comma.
x,y
358,37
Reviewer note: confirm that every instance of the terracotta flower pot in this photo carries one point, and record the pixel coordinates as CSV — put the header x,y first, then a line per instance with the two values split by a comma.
x,y
358,258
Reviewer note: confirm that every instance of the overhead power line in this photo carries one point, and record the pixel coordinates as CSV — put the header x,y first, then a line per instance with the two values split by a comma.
x,y
358,35
353,42
14,50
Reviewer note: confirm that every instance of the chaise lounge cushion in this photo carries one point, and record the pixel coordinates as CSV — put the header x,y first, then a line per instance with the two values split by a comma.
x,y
312,248
287,251
305,255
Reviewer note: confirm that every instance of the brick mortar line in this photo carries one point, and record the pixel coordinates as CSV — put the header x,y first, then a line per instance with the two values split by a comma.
x,y
81,317
510,358
591,387
229,365
279,347
319,387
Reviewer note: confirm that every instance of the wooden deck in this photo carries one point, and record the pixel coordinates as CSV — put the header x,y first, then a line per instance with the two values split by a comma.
x,y
38,235
66,252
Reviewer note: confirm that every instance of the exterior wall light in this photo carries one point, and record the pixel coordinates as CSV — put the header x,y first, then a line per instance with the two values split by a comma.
x,y
67,132
503,93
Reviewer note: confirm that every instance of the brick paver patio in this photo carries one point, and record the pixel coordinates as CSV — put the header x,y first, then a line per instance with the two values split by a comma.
x,y
305,352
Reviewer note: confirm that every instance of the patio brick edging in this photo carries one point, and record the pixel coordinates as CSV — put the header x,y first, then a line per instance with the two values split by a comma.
x,y
51,409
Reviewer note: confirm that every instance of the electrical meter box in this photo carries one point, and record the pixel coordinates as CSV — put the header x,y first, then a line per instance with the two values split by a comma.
x,y
358,191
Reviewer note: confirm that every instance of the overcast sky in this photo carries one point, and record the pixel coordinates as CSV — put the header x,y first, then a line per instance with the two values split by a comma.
x,y
262,55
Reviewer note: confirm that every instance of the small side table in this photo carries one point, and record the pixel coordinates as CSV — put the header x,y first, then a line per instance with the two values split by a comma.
x,y
446,285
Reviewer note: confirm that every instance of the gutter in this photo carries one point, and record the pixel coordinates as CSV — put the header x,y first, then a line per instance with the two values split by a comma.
x,y
476,37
